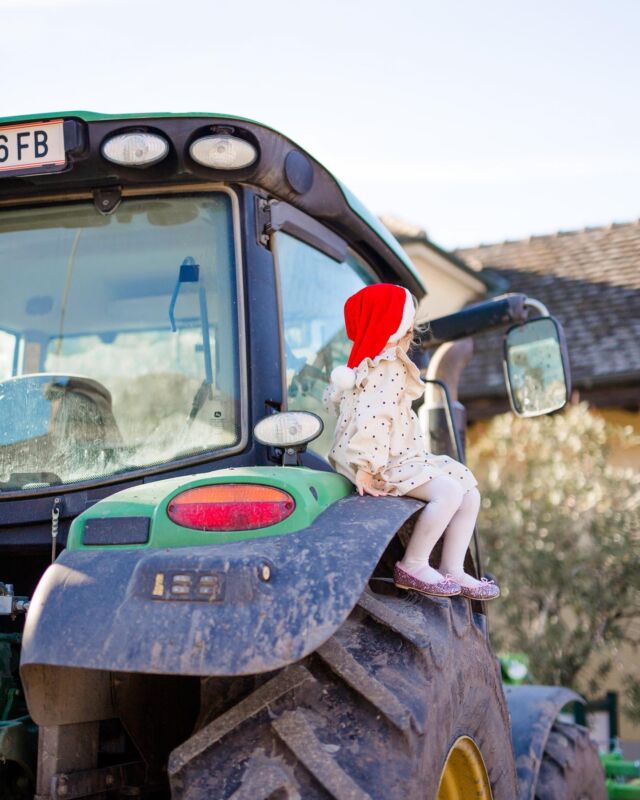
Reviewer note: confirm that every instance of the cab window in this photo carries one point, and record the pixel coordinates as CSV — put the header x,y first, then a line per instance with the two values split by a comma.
x,y
7,354
119,345
314,289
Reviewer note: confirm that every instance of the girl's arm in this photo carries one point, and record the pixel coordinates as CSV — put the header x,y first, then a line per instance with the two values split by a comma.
x,y
331,400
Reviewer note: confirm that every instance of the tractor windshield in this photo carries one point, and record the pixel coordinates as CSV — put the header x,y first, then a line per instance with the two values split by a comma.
x,y
118,337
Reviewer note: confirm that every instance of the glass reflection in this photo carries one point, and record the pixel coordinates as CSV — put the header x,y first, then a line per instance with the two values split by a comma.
x,y
535,368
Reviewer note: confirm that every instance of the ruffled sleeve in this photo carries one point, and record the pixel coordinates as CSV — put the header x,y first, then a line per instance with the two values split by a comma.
x,y
374,411
414,385
331,399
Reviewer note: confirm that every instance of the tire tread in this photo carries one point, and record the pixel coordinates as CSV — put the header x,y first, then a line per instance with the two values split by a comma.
x,y
570,768
369,716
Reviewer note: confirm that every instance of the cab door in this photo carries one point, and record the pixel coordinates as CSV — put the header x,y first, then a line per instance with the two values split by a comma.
x,y
316,273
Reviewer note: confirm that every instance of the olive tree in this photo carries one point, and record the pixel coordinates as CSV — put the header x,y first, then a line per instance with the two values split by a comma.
x,y
561,531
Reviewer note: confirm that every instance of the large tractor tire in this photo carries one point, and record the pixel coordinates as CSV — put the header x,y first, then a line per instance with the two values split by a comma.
x,y
403,701
570,768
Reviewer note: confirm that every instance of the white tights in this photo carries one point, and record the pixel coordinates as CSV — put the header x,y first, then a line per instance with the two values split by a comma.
x,y
448,507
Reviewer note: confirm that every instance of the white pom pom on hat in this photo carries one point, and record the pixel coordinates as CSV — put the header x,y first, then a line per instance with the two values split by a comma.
x,y
343,377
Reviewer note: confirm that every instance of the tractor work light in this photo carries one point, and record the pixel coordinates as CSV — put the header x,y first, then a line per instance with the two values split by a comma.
x,y
135,149
288,428
230,507
223,152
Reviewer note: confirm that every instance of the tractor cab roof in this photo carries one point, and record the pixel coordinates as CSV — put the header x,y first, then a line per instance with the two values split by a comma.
x,y
281,169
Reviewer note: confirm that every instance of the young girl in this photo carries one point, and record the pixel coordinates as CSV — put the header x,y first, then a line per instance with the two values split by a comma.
x,y
378,443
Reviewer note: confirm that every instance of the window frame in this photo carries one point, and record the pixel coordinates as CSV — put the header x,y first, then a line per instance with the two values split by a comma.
x,y
310,241
243,399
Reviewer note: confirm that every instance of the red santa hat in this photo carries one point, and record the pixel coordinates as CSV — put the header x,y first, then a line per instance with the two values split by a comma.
x,y
375,315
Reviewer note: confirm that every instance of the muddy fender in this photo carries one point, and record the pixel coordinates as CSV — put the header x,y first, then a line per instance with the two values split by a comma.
x,y
229,609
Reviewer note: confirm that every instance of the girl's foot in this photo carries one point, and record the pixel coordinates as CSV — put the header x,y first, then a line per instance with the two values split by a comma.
x,y
421,570
426,581
483,589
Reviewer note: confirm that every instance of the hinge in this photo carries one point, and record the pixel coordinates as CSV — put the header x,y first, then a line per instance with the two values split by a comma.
x,y
263,221
276,215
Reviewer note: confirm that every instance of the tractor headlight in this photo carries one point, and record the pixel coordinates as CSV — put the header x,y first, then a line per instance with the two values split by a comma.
x,y
135,149
223,152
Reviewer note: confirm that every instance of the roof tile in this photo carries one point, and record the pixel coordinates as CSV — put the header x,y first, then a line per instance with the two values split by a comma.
x,y
589,279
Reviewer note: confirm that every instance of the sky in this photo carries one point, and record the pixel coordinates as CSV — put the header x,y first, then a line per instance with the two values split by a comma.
x,y
476,121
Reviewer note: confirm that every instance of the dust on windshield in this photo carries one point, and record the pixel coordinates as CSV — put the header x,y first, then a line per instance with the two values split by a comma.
x,y
118,338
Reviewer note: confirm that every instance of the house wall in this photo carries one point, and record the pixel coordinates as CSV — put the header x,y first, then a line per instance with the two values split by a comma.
x,y
449,288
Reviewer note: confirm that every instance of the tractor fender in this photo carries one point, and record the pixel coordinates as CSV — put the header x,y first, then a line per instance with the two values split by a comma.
x,y
227,609
533,710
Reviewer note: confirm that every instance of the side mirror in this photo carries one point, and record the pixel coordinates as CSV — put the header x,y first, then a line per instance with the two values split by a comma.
x,y
536,367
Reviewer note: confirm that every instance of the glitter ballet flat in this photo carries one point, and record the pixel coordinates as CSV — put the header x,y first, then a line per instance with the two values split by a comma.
x,y
447,587
488,591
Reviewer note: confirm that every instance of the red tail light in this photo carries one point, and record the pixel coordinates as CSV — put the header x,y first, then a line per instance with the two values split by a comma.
x,y
230,507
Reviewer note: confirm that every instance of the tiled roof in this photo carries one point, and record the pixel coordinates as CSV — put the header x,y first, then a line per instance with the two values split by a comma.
x,y
590,281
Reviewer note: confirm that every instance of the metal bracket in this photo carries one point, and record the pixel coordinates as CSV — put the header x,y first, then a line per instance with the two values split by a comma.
x,y
6,599
10,605
275,215
92,782
291,457
285,456
107,200
531,302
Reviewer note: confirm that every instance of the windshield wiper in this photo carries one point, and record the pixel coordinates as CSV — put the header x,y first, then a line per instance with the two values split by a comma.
x,y
190,273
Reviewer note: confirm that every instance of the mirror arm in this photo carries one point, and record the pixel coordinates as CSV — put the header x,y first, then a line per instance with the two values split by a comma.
x,y
477,318
530,302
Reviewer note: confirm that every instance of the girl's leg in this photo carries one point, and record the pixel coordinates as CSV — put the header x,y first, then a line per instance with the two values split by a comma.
x,y
443,496
457,538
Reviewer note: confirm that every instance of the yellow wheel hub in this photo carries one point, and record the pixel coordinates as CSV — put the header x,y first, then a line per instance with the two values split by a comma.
x,y
464,776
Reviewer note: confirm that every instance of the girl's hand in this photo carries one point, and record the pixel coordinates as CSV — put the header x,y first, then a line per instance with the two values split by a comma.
x,y
365,482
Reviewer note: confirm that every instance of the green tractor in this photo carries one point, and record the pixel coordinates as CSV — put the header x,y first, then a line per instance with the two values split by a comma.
x,y
199,606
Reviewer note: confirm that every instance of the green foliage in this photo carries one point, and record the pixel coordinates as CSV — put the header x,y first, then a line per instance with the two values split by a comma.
x,y
632,698
560,528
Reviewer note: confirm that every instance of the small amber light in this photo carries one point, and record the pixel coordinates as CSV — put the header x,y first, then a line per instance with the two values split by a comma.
x,y
230,507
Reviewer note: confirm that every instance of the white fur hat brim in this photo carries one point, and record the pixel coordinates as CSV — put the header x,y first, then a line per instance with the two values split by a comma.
x,y
408,314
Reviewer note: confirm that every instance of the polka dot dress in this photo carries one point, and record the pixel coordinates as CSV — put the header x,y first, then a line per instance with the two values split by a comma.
x,y
377,429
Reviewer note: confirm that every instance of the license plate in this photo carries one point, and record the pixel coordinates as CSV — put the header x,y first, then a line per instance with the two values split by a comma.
x,y
32,146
